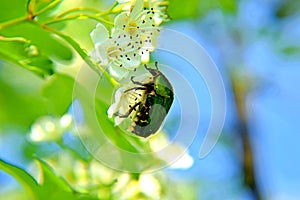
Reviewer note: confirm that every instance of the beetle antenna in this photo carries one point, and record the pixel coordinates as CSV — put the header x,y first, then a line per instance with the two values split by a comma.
x,y
156,65
154,72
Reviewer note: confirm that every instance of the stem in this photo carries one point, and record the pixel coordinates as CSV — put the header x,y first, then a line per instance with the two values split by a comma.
x,y
29,9
96,67
49,6
79,9
110,9
80,16
97,12
240,90
13,22
14,39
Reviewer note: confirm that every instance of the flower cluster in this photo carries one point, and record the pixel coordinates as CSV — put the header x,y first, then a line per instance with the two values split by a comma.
x,y
87,175
50,128
103,182
132,38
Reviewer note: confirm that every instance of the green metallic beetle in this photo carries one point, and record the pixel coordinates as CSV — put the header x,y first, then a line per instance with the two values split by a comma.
x,y
151,105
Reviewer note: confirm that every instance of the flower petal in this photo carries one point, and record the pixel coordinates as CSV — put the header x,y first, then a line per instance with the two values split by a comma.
x,y
101,53
117,71
99,34
130,60
137,9
120,20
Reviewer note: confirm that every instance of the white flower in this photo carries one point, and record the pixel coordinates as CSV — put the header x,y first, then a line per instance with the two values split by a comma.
x,y
157,7
126,98
168,151
140,24
49,128
184,162
134,35
150,186
118,52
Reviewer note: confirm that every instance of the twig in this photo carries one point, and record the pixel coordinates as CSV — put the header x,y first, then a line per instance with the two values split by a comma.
x,y
240,89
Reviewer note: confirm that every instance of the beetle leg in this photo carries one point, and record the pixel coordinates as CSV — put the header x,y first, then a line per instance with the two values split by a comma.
x,y
135,88
135,82
128,112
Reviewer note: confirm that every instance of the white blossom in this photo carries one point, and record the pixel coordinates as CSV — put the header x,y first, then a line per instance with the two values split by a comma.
x,y
132,39
117,52
49,128
140,24
157,7
126,97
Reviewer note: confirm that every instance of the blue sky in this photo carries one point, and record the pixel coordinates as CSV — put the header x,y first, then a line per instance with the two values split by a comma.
x,y
273,105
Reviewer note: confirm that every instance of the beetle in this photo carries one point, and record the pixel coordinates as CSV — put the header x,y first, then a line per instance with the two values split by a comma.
x,y
149,111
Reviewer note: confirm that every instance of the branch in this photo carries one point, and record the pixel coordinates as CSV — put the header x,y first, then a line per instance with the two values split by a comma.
x,y
240,88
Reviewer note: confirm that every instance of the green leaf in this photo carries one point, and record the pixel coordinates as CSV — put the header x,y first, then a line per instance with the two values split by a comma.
x,y
227,6
51,182
17,109
27,181
125,141
179,9
22,52
58,93
12,9
41,38
45,10
115,134
51,188
196,8
54,187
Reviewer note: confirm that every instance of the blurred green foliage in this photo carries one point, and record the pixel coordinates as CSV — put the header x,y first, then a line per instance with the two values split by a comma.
x,y
20,97
198,8
13,9
25,42
22,52
57,92
42,44
287,8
